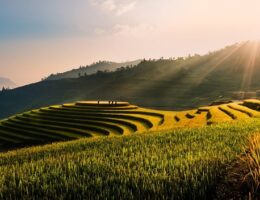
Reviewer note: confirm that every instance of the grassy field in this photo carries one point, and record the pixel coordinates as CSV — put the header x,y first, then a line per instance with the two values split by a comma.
x,y
175,164
123,151
251,162
89,119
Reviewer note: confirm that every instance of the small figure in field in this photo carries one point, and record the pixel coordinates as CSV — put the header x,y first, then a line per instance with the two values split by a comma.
x,y
109,102
98,102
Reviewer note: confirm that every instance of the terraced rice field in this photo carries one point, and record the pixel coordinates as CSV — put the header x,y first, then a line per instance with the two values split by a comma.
x,y
95,119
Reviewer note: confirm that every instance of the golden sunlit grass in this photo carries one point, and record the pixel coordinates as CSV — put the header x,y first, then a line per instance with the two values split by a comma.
x,y
175,164
215,115
244,109
90,119
190,119
252,162
180,163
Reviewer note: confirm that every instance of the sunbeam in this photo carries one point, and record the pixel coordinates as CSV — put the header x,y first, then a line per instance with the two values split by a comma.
x,y
252,48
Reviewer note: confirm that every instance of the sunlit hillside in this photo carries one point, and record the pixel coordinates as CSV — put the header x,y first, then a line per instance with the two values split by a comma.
x,y
130,100
174,164
96,119
170,84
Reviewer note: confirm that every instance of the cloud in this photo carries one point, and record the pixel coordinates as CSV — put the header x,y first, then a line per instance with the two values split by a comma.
x,y
108,5
127,30
125,8
113,6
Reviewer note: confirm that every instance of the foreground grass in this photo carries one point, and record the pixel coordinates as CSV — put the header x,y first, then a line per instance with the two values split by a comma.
x,y
251,163
177,164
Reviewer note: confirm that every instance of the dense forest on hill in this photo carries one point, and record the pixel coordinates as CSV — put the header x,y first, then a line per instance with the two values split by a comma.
x,y
178,83
92,69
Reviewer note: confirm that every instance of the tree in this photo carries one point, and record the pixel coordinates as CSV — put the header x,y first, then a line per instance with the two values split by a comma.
x,y
5,89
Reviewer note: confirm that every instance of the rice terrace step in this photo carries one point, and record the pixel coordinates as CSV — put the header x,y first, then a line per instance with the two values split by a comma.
x,y
102,103
129,100
110,118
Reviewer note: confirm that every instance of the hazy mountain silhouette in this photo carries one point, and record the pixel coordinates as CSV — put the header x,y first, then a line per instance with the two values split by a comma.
x,y
230,73
92,69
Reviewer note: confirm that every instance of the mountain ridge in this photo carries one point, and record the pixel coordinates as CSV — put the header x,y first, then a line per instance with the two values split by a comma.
x,y
175,84
92,69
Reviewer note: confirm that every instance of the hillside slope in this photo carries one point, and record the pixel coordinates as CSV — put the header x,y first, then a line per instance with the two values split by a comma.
x,y
175,164
93,119
92,69
230,73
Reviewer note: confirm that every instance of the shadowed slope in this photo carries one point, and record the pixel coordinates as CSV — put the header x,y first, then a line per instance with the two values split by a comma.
x,y
173,84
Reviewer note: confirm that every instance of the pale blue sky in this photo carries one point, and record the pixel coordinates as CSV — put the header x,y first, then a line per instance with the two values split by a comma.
x,y
41,37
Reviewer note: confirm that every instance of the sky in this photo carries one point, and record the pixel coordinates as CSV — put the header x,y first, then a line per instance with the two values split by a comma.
x,y
38,37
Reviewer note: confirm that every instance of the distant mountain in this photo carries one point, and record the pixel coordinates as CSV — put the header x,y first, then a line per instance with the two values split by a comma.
x,y
6,83
230,73
92,69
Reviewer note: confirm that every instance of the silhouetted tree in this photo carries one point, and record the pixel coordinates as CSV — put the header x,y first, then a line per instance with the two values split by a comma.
x,y
5,89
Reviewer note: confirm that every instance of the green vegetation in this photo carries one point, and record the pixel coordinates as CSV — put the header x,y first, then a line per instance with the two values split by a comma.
x,y
175,164
93,119
154,157
251,164
81,119
100,66
168,84
129,152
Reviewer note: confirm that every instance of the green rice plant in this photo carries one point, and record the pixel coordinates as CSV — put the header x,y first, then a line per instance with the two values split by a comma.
x,y
80,119
136,117
251,161
120,126
143,111
140,123
73,121
146,113
103,104
174,164
35,132
104,108
44,129
105,128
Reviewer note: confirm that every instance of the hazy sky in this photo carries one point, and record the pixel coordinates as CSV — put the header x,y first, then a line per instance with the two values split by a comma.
x,y
39,37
